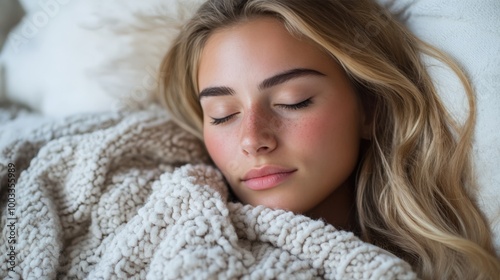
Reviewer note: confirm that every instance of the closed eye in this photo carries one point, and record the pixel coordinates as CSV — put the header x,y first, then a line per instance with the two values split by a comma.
x,y
217,121
296,106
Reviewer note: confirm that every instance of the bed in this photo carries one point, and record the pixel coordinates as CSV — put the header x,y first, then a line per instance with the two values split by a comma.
x,y
97,182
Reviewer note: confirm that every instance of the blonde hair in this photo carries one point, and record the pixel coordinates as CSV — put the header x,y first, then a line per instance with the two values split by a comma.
x,y
415,180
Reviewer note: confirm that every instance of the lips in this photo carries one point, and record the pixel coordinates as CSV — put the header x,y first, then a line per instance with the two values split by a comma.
x,y
266,177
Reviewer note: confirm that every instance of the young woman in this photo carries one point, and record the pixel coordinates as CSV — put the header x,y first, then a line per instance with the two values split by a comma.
x,y
324,108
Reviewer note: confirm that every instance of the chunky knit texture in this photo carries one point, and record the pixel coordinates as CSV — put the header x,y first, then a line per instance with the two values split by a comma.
x,y
130,195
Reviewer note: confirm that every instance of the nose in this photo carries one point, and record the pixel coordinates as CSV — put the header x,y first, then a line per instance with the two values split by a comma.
x,y
258,133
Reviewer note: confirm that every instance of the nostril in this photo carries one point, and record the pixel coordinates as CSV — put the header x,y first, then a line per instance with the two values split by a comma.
x,y
262,149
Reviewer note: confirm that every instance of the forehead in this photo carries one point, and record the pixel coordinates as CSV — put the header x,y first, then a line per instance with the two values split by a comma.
x,y
258,47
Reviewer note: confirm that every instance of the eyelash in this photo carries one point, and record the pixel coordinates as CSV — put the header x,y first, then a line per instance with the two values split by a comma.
x,y
221,120
296,106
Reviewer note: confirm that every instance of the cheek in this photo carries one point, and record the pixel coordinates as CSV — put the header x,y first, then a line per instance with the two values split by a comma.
x,y
309,131
219,147
327,133
213,145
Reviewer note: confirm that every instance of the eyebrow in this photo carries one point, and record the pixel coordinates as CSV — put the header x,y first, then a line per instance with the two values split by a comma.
x,y
267,83
216,91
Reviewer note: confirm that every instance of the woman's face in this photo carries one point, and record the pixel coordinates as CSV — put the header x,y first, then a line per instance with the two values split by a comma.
x,y
281,120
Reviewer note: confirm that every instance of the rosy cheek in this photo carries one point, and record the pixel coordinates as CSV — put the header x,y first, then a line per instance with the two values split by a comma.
x,y
323,132
212,144
307,132
218,146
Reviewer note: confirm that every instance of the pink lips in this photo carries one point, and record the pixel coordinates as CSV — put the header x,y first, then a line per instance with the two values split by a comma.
x,y
266,177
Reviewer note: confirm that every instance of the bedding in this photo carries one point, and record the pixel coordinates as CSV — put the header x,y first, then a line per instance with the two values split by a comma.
x,y
130,195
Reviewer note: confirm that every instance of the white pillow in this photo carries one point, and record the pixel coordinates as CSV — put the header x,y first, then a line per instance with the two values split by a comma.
x,y
91,55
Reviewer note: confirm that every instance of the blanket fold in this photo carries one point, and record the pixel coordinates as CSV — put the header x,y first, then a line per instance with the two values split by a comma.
x,y
131,195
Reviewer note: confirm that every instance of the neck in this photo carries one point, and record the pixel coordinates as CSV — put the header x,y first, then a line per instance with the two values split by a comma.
x,y
338,209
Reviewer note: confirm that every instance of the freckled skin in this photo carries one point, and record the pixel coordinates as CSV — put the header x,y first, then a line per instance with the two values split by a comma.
x,y
321,141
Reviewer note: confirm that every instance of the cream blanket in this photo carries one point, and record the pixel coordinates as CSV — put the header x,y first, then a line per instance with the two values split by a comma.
x,y
130,195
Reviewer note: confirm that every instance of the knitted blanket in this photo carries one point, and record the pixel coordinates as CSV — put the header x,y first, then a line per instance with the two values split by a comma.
x,y
131,195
